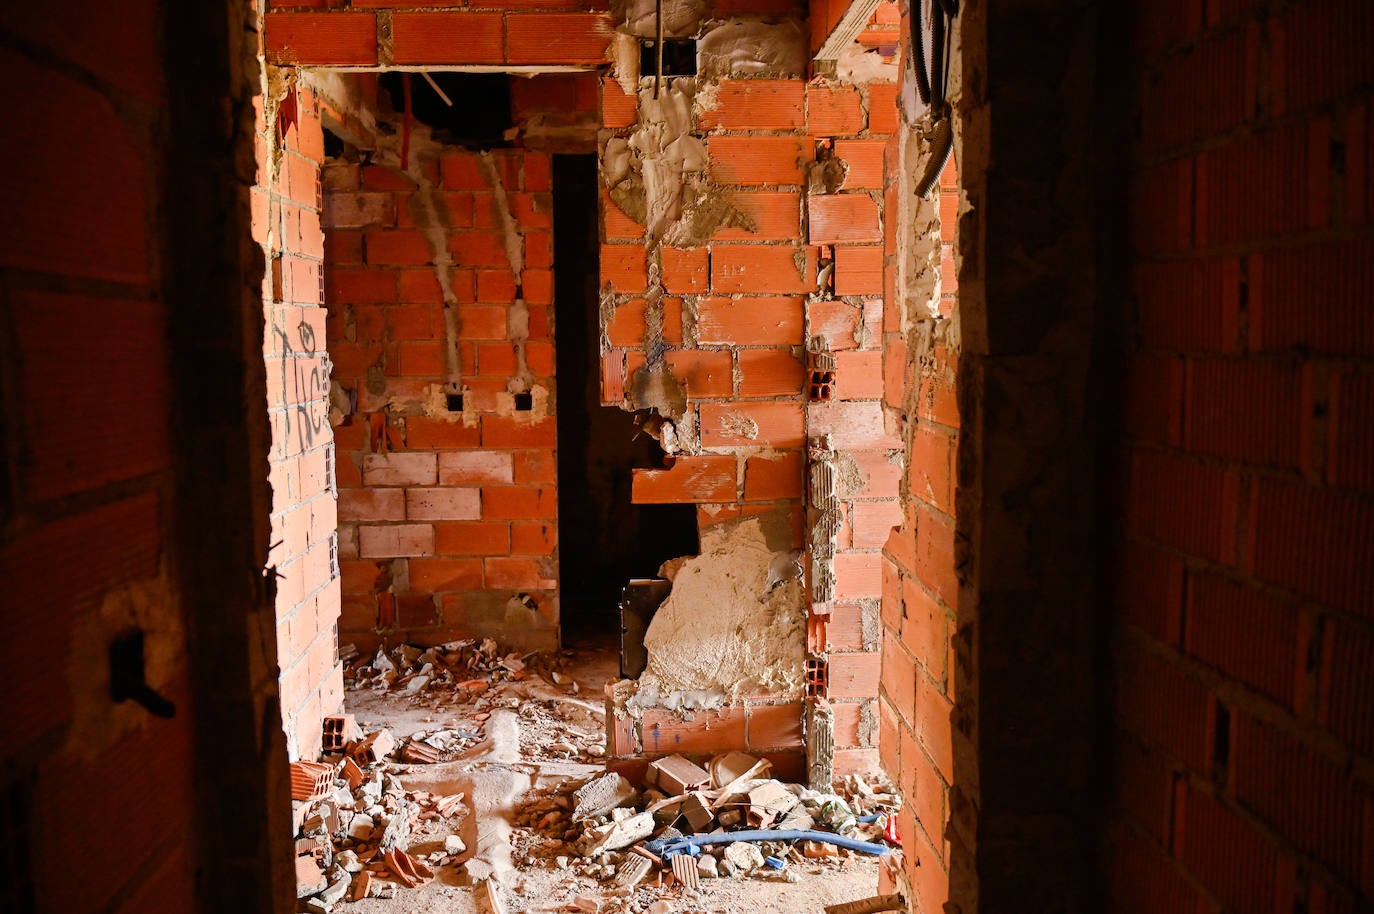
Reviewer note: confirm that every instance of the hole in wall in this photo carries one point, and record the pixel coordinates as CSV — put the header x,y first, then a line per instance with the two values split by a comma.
x,y
333,145
479,116
524,402
454,402
604,539
679,57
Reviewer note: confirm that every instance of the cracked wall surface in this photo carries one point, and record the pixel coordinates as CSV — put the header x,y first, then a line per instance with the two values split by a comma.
x,y
742,222
440,293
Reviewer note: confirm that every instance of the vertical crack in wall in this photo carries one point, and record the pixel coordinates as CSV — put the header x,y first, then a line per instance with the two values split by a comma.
x,y
431,218
518,315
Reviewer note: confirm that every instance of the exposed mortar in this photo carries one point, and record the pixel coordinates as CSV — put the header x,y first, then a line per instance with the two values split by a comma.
x,y
820,745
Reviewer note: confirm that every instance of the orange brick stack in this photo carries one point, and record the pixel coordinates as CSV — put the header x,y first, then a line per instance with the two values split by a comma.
x,y
445,516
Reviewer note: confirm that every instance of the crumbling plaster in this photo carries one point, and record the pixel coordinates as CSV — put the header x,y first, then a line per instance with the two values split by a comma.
x,y
752,638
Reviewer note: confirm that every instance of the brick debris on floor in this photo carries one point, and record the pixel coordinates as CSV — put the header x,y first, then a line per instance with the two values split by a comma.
x,y
621,847
648,848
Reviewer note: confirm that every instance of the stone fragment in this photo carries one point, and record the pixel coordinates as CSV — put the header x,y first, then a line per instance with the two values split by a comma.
x,y
616,835
707,867
744,856
336,891
601,795
454,845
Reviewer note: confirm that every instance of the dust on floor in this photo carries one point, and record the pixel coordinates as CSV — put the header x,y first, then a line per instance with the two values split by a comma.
x,y
517,734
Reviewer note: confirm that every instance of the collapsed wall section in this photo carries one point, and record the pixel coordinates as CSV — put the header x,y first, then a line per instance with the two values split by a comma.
x,y
440,293
742,229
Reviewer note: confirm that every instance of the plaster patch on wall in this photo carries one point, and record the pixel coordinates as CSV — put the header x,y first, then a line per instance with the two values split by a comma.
x,y
724,629
849,476
681,18
752,49
858,65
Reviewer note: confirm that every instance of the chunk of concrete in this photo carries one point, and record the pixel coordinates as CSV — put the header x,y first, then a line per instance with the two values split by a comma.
x,y
336,891
601,795
744,856
617,835
309,877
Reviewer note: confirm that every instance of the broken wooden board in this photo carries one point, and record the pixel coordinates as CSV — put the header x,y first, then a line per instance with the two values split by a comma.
x,y
868,905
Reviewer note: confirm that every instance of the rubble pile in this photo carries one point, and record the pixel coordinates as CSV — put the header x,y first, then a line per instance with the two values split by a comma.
x,y
473,664
357,826
686,823
476,677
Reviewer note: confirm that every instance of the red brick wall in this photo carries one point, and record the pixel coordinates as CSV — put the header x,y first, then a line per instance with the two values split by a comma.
x,y
854,226
739,311
920,589
87,467
1245,701
286,222
448,517
310,32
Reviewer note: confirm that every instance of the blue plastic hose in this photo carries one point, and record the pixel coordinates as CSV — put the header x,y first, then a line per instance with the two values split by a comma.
x,y
687,843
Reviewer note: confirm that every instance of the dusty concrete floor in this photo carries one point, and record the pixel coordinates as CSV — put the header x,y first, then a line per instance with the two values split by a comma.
x,y
534,734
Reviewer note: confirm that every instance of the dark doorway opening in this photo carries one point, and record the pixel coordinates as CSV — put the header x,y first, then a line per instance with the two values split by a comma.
x,y
604,540
464,109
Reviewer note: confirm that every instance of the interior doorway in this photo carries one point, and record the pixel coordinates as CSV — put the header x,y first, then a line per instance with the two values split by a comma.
x,y
605,539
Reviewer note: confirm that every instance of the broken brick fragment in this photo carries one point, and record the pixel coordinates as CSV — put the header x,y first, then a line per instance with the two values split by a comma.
x,y
310,780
